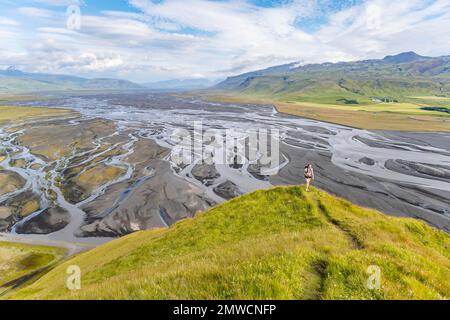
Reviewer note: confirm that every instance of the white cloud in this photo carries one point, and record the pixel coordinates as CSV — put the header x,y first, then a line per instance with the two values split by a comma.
x,y
187,38
116,27
402,26
36,12
60,2
8,22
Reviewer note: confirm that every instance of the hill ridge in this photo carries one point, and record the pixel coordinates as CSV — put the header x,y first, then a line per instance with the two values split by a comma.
x,y
280,243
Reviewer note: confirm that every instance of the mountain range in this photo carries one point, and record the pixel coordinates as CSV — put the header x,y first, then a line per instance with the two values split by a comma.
x,y
14,80
393,77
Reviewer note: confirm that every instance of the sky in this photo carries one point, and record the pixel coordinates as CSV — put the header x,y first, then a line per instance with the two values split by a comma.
x,y
153,40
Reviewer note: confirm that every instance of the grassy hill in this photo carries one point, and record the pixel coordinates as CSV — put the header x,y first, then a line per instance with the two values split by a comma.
x,y
282,243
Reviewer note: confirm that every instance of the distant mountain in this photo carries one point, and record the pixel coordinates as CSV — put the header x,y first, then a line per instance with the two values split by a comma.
x,y
14,80
231,82
105,83
176,84
405,57
395,77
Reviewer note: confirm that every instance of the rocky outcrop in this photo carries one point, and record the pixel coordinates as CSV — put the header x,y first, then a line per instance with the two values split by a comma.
x,y
227,190
367,161
206,173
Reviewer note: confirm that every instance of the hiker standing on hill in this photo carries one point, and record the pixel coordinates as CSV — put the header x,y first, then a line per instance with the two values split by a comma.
x,y
309,175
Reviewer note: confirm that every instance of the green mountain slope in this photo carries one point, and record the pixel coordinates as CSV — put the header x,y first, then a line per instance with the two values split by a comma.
x,y
394,78
16,81
278,243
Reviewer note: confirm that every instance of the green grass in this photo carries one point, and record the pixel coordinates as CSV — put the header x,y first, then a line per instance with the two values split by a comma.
x,y
433,98
15,114
19,261
402,116
282,243
403,108
21,97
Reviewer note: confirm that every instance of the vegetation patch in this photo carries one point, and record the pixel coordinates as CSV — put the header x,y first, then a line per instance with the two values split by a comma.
x,y
10,181
16,114
438,109
82,185
402,116
348,101
21,262
19,163
66,138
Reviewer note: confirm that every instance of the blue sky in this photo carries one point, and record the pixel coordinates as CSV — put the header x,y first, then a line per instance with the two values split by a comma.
x,y
144,40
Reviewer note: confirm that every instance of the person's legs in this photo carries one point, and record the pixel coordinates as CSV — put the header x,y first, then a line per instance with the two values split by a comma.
x,y
307,184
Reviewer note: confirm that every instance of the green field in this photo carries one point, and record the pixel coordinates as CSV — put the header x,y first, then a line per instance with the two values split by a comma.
x,y
23,263
15,114
386,116
20,97
281,243
434,98
403,108
401,116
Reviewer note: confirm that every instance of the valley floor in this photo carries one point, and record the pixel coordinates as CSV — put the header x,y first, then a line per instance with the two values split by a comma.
x,y
382,116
